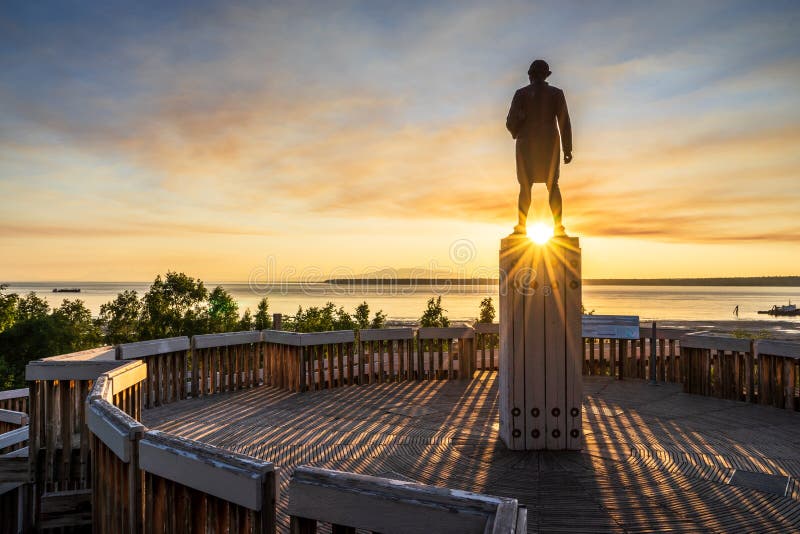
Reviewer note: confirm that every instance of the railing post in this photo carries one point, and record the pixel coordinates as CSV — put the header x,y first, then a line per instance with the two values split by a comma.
x,y
277,321
304,361
653,343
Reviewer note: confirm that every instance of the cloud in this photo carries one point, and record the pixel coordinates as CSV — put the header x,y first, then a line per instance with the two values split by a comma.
x,y
234,119
102,229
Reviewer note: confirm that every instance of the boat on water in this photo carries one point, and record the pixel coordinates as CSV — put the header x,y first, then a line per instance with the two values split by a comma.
x,y
783,311
66,290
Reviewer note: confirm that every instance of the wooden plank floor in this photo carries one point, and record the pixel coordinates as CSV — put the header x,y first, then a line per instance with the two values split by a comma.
x,y
654,460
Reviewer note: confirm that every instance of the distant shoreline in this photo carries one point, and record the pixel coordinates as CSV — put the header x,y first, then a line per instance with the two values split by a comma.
x,y
747,281
742,281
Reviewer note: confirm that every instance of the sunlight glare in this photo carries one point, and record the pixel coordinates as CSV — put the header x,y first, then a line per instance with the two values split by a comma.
x,y
540,233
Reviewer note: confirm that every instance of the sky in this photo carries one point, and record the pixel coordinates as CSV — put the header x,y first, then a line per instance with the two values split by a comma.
x,y
233,140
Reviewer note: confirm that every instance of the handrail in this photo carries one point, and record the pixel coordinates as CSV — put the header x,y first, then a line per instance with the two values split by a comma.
x,y
83,365
127,351
10,394
233,477
700,341
385,334
307,339
227,339
350,501
772,347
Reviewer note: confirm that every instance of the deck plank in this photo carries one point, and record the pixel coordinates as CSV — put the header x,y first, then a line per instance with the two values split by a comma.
x,y
655,459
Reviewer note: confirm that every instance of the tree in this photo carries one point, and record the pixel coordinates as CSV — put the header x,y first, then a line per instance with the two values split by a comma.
x,y
488,313
378,320
329,317
8,308
174,306
341,319
74,328
263,321
316,319
434,314
32,307
246,322
223,312
37,333
361,317
120,318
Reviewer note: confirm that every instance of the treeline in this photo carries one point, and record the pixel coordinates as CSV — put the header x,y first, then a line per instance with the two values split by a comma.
x,y
174,305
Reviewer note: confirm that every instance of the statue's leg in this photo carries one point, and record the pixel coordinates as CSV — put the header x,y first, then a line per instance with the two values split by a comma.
x,y
555,205
524,203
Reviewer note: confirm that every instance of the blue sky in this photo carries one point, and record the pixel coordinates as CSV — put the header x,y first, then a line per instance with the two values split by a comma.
x,y
206,136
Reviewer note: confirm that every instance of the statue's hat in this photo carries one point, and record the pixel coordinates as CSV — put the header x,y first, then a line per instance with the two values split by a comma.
x,y
540,67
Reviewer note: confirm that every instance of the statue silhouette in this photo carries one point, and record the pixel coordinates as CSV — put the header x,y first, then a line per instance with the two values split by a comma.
x,y
535,110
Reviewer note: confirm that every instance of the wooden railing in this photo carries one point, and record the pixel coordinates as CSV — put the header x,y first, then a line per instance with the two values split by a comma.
x,y
349,501
388,355
148,481
194,487
14,469
487,346
281,368
719,367
219,363
309,361
312,361
65,461
631,357
167,361
778,373
15,494
11,420
59,441
14,399
762,371
225,362
445,353
115,432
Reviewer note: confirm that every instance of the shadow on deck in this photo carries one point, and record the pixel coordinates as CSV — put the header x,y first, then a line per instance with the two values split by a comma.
x,y
655,459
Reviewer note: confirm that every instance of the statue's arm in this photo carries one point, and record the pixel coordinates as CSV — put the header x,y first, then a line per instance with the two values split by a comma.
x,y
564,126
516,115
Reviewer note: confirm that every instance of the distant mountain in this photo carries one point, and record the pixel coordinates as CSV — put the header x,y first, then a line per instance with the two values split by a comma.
x,y
407,272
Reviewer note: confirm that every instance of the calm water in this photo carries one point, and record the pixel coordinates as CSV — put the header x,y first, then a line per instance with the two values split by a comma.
x,y
461,302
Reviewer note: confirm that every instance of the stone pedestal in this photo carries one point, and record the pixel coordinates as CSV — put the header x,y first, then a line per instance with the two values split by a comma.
x,y
540,381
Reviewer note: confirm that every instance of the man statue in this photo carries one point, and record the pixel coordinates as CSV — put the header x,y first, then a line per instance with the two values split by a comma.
x,y
531,120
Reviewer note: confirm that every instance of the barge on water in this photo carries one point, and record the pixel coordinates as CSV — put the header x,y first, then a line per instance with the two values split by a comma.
x,y
783,311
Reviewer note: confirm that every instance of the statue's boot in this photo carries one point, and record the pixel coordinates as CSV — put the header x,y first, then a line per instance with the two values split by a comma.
x,y
559,231
520,229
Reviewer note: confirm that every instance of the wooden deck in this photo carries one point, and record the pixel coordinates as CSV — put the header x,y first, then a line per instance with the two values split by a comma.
x,y
654,460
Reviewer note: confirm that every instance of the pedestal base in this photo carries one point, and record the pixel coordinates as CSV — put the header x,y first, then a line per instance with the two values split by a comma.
x,y
540,381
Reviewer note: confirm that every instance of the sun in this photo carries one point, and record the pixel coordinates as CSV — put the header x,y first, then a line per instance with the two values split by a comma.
x,y
540,233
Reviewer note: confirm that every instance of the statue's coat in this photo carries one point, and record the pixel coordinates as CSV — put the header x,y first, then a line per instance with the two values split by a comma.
x,y
535,110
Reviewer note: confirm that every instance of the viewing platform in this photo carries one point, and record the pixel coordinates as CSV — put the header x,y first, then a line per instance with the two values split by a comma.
x,y
397,430
655,459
